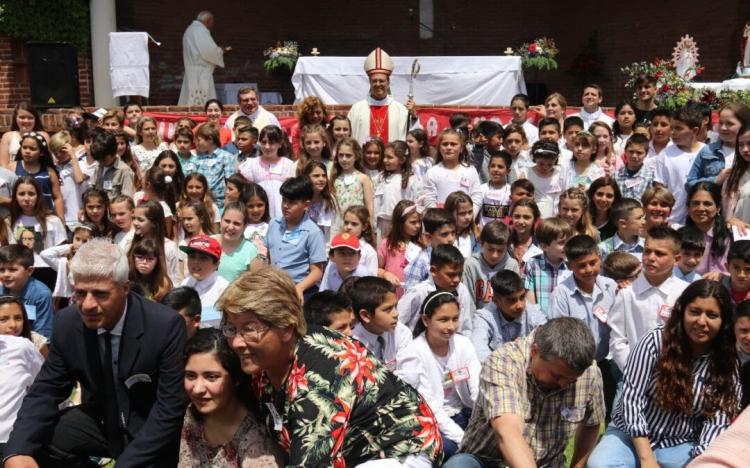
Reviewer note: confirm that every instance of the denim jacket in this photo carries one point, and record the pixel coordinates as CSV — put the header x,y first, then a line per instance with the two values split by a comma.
x,y
707,165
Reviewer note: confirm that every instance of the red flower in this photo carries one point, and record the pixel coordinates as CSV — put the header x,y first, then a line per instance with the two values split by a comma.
x,y
658,74
665,88
356,362
428,432
339,424
285,442
533,47
297,380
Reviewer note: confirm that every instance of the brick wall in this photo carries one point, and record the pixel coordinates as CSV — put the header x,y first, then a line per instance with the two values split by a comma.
x,y
635,30
14,76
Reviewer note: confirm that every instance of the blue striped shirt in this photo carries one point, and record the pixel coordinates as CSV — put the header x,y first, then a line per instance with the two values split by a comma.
x,y
638,415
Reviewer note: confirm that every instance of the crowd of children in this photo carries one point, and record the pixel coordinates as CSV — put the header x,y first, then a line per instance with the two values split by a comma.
x,y
432,257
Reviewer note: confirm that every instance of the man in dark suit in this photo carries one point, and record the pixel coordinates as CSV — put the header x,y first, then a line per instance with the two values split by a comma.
x,y
125,351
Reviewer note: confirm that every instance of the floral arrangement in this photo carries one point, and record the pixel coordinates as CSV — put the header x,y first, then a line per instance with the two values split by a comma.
x,y
281,55
673,91
539,54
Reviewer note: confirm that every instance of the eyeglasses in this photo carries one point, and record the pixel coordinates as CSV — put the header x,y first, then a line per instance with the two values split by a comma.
x,y
144,258
249,334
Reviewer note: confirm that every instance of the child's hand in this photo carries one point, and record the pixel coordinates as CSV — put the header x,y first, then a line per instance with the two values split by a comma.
x,y
300,295
391,278
722,176
713,276
623,283
540,109
741,226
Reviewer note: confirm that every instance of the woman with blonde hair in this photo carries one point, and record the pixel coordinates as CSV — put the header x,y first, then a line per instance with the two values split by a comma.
x,y
362,412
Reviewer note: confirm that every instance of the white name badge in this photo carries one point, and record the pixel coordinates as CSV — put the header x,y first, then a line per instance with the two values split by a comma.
x,y
665,311
30,311
460,375
600,313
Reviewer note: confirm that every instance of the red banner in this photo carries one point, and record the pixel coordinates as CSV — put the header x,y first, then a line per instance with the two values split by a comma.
x,y
165,122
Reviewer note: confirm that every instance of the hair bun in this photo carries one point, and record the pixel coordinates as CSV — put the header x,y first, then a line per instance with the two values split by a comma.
x,y
168,179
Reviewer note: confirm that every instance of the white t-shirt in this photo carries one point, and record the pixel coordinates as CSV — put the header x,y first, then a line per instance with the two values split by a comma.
x,y
71,192
547,190
672,169
19,366
495,203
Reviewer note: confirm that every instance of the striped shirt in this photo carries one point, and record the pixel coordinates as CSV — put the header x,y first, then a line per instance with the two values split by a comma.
x,y
638,415
633,184
507,386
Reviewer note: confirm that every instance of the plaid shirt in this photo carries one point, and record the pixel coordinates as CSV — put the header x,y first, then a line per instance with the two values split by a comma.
x,y
633,185
418,270
541,278
616,244
217,167
507,386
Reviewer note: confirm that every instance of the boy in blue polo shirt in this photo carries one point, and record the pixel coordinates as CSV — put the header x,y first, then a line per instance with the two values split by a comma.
x,y
588,296
16,268
295,243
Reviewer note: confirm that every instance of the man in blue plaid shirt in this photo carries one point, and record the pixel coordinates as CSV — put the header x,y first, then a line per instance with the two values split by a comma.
x,y
544,271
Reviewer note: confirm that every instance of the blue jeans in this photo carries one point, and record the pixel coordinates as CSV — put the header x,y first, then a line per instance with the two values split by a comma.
x,y
616,450
464,460
462,419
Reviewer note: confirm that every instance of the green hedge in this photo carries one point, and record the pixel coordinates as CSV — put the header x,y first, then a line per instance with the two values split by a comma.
x,y
47,20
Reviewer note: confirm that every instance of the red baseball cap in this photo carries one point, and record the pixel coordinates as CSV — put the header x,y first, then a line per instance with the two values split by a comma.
x,y
205,244
345,239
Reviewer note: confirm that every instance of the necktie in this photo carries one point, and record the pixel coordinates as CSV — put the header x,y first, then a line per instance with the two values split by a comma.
x,y
114,436
381,348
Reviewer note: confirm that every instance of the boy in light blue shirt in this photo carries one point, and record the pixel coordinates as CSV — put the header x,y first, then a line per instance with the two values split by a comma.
x,y
692,249
627,216
295,243
588,296
16,268
508,317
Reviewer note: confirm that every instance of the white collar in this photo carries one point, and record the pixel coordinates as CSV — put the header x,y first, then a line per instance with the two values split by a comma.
x,y
206,283
117,329
379,102
641,285
591,115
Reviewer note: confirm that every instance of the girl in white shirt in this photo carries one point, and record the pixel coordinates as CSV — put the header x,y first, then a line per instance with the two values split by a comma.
x,y
323,209
460,206
452,172
148,221
546,175
451,367
392,185
582,171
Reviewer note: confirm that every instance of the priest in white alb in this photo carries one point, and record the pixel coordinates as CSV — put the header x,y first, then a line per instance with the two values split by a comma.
x,y
200,55
379,115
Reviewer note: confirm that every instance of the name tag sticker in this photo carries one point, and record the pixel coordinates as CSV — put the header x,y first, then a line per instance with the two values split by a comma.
x,y
630,183
464,182
665,311
600,313
553,188
30,311
460,375
107,185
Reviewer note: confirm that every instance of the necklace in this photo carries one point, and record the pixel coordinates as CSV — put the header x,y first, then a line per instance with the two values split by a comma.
x,y
378,122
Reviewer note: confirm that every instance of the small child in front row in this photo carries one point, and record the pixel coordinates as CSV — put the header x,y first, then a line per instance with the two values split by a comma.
x,y
439,229
295,243
378,328
16,268
635,176
692,249
446,269
330,309
627,215
450,364
507,317
462,208
588,296
204,253
544,271
738,264
496,192
493,258
343,255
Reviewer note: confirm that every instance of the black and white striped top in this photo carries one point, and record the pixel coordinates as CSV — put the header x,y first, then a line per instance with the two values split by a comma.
x,y
638,415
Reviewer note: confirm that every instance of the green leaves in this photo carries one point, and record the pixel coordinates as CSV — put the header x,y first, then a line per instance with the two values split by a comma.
x,y
47,20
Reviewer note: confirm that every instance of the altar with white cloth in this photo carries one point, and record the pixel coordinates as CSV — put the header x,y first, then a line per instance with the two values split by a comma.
x,y
472,80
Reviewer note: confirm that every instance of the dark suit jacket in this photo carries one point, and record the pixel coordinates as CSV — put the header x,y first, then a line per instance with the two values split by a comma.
x,y
149,384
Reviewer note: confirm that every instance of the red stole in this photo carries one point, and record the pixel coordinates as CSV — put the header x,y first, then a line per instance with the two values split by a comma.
x,y
379,122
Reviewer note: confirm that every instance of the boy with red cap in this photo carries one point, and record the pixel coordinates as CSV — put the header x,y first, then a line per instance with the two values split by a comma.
x,y
344,254
203,254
